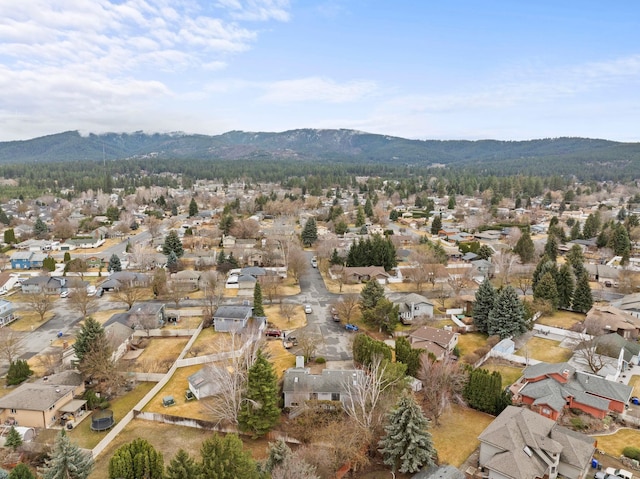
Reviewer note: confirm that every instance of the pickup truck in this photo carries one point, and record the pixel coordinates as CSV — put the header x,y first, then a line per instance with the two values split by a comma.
x,y
624,474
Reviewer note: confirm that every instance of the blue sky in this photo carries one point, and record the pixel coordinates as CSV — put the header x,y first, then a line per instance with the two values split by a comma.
x,y
423,69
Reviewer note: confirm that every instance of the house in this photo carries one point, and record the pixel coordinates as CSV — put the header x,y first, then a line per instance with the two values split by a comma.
x,y
362,274
21,260
120,336
7,310
140,316
203,384
231,318
629,303
439,342
609,319
42,403
602,273
299,385
187,280
549,388
123,279
43,284
519,444
411,306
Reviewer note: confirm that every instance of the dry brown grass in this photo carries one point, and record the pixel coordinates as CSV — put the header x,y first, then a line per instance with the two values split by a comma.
x,y
275,317
455,437
334,287
561,319
158,355
614,444
288,287
103,316
468,343
29,320
545,350
510,374
404,288
210,342
279,357
635,383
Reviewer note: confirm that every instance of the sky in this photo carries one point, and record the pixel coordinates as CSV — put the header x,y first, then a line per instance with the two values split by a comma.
x,y
420,69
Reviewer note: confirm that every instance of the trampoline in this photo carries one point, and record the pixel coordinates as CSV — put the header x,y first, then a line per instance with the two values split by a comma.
x,y
102,420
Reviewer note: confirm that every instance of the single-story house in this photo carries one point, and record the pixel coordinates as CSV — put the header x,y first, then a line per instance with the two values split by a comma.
x,y
43,284
121,279
231,318
610,319
187,279
550,388
7,310
439,342
299,385
362,274
519,444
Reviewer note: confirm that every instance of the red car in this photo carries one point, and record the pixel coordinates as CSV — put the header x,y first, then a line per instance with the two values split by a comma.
x,y
273,333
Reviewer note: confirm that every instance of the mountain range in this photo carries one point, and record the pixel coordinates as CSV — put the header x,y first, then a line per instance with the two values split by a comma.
x,y
563,155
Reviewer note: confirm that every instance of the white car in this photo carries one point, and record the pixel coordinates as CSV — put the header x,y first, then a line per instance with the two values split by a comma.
x,y
314,263
307,309
64,294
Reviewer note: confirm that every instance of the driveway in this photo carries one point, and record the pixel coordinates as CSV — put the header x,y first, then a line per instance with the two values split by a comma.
x,y
333,341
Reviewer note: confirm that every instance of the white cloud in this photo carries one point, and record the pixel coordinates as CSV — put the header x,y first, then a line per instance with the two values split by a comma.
x,y
317,89
257,10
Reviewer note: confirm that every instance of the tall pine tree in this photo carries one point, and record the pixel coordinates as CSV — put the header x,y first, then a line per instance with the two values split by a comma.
x,y
224,458
67,460
547,290
136,459
507,319
259,411
407,445
484,303
258,309
183,466
172,243
582,296
309,232
565,286
525,248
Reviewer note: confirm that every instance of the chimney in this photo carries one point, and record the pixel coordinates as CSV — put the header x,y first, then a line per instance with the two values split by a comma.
x,y
299,361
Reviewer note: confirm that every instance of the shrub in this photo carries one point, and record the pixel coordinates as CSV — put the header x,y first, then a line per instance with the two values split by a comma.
x,y
578,423
18,372
493,340
631,452
320,360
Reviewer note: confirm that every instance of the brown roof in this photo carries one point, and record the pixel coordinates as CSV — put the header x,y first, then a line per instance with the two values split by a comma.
x,y
441,337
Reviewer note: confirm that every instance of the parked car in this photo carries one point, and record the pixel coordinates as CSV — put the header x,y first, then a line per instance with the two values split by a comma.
x,y
314,262
307,309
603,475
635,401
273,333
289,342
351,327
624,474
64,294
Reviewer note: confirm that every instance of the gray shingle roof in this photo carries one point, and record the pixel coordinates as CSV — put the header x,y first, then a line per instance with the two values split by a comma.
x,y
35,396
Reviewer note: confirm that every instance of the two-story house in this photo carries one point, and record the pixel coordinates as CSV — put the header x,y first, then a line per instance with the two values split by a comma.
x,y
411,306
439,342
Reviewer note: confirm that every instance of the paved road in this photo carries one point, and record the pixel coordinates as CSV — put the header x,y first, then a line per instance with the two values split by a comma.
x,y
334,342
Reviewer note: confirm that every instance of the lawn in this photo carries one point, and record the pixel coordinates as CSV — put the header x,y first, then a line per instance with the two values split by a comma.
x,y
275,317
510,374
613,444
167,439
334,287
634,381
210,341
456,436
29,320
158,355
561,319
278,356
103,316
545,350
176,387
86,438
469,342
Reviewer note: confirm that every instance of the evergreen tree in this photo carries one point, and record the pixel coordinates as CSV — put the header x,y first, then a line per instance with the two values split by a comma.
x,y
368,208
370,295
136,459
485,252
67,460
258,309
582,297
384,316
436,224
259,411
10,236
67,257
193,208
525,248
620,243
506,319
565,286
394,215
172,262
484,392
172,243
114,264
49,263
545,265
4,219
551,248
226,223
591,226
13,439
407,355
21,471
40,229
183,466
336,259
452,202
484,303
365,349
222,258
278,452
18,372
360,218
113,214
340,227
309,232
575,231
576,259
407,445
546,289
224,458
91,333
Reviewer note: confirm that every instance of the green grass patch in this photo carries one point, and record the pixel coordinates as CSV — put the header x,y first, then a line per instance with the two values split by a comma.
x,y
510,374
469,342
545,350
86,438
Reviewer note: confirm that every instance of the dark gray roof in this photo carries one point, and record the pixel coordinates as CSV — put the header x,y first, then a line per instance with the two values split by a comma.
x,y
330,381
544,369
233,312
35,396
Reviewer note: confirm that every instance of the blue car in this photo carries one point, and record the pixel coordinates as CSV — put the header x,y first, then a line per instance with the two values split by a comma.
x,y
351,327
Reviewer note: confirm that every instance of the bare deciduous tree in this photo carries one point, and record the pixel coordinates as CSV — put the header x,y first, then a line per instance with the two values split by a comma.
x,y
590,353
308,345
10,344
297,263
524,277
270,285
288,310
40,303
79,300
348,307
129,294
153,226
505,262
444,382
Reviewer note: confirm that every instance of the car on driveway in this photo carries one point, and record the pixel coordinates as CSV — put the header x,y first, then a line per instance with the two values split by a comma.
x,y
351,327
307,309
273,333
